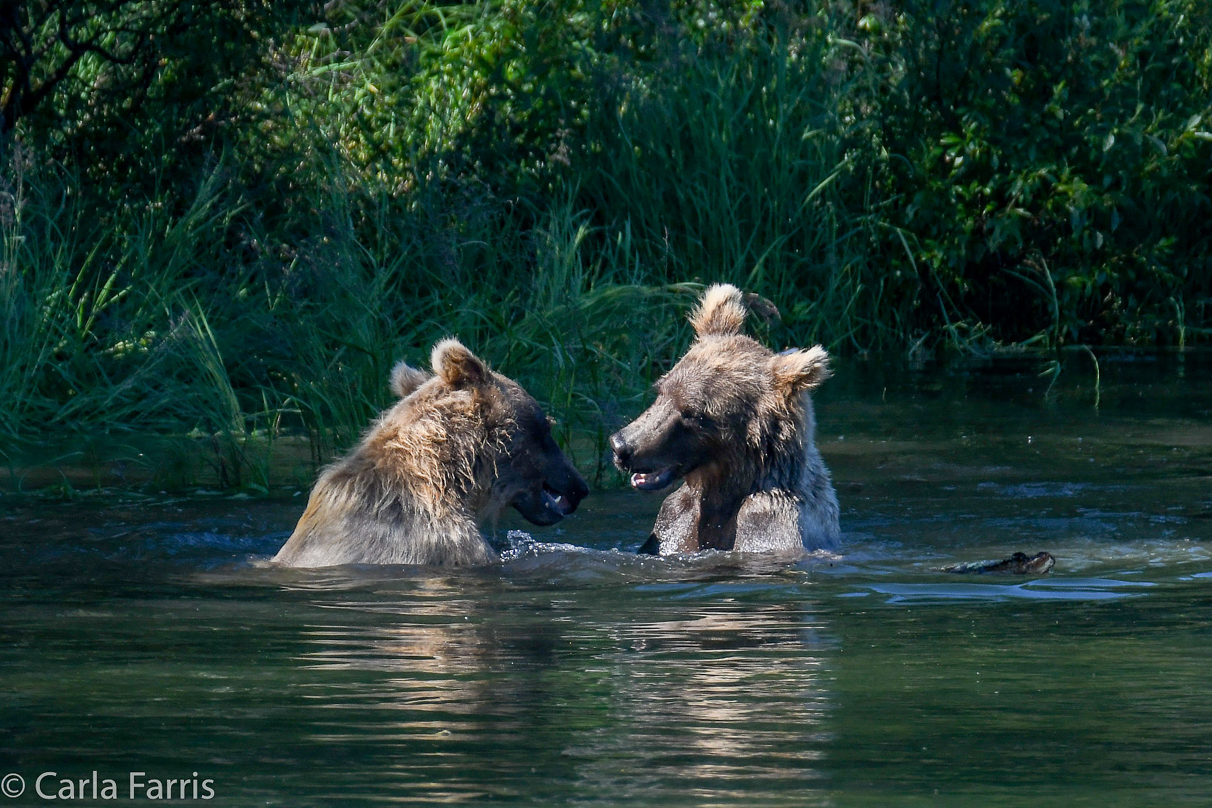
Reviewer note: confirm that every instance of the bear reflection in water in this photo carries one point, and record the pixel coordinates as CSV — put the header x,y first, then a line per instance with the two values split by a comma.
x,y
720,695
730,697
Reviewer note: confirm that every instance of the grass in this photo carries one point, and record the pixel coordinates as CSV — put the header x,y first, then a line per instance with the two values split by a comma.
x,y
117,331
557,200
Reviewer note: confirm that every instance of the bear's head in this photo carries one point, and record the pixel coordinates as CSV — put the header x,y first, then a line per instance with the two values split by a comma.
x,y
728,408
496,432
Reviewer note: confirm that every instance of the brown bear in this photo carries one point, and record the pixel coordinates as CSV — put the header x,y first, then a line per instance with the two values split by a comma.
x,y
734,420
457,448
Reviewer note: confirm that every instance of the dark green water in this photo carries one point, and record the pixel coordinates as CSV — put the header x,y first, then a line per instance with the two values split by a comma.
x,y
147,637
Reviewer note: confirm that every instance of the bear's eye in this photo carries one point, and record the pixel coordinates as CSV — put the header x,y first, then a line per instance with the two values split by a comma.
x,y
696,416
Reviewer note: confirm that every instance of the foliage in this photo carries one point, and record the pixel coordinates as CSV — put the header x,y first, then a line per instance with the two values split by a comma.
x,y
1052,162
228,220
134,91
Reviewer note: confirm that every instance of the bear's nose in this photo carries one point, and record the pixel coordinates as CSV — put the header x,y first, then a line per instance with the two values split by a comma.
x,y
622,452
579,490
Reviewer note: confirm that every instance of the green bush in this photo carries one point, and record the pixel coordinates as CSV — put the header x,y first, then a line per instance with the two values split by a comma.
x,y
1049,163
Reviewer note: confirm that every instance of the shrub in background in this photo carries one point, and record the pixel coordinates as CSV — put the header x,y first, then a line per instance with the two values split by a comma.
x,y
236,242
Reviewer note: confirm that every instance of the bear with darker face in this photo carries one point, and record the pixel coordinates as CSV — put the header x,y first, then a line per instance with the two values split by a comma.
x,y
458,447
733,421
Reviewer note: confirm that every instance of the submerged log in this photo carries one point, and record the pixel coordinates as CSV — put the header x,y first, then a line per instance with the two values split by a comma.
x,y
1017,564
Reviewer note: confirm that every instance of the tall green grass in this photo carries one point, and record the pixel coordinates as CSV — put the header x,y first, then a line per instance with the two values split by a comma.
x,y
735,166
121,325
554,185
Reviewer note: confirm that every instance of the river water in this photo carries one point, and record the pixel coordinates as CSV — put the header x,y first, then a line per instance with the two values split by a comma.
x,y
150,636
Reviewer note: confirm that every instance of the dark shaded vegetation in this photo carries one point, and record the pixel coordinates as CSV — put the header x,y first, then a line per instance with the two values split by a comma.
x,y
225,221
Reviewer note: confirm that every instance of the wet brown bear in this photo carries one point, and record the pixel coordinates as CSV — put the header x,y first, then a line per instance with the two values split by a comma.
x,y
735,420
457,448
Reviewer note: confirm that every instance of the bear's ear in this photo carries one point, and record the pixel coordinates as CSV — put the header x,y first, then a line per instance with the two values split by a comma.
x,y
405,379
457,366
797,371
721,312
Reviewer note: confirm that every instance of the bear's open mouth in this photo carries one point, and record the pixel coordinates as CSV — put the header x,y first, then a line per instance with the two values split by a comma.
x,y
556,501
653,480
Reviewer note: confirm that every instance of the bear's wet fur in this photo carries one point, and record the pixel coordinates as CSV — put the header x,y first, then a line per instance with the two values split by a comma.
x,y
459,446
734,420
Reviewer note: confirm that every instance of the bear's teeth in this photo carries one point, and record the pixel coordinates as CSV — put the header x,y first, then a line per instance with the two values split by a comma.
x,y
652,480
